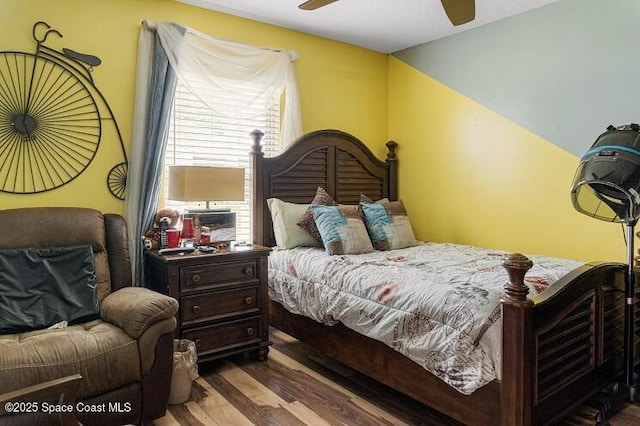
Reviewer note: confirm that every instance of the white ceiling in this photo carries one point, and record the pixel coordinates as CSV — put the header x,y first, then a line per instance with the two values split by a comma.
x,y
382,25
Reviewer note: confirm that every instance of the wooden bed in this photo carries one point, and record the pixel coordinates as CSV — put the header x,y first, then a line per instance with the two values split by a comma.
x,y
559,348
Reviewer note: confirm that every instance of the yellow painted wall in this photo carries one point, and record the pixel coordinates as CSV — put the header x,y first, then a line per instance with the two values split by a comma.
x,y
341,86
469,176
466,174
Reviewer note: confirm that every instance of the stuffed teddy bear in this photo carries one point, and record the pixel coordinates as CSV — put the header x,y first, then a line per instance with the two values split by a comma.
x,y
165,218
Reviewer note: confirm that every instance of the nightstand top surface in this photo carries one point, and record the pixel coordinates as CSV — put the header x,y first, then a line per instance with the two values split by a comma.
x,y
235,251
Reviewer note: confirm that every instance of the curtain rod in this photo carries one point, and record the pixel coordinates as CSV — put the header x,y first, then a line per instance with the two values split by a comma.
x,y
293,55
150,25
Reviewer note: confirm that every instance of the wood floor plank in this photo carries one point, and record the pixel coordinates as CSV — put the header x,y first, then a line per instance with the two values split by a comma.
x,y
219,408
198,412
295,365
357,400
368,389
258,414
281,335
249,386
629,416
296,386
166,420
184,416
332,405
305,414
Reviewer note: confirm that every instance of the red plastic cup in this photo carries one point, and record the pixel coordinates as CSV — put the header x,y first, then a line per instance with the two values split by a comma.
x,y
188,230
173,238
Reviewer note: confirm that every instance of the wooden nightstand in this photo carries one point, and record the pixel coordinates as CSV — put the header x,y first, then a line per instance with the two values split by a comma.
x,y
222,296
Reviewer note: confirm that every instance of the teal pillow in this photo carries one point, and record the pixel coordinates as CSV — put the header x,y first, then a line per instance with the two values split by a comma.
x,y
342,229
388,225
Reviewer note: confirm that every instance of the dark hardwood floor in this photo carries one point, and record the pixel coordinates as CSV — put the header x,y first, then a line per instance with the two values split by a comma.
x,y
297,386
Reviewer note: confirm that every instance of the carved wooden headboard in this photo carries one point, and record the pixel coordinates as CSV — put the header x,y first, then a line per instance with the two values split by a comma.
x,y
333,159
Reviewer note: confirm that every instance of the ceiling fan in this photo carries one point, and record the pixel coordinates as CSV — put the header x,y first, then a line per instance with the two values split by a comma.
x,y
459,11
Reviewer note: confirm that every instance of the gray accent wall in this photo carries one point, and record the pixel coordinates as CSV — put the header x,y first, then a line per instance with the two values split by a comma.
x,y
564,71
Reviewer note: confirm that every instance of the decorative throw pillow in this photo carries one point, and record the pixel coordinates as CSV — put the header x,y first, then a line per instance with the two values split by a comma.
x,y
388,225
307,222
366,200
342,229
41,287
287,233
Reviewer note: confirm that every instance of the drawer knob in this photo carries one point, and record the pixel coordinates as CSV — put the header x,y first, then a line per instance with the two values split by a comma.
x,y
197,342
248,270
248,300
250,331
195,309
195,278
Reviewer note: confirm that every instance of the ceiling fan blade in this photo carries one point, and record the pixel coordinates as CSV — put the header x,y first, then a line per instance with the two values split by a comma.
x,y
314,4
460,11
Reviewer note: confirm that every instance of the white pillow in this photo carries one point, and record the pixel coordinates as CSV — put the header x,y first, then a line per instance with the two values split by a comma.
x,y
286,231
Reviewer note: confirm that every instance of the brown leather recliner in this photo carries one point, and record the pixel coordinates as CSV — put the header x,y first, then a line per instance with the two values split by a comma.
x,y
125,357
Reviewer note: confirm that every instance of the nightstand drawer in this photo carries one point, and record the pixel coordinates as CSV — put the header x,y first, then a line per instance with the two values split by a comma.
x,y
202,276
218,304
225,334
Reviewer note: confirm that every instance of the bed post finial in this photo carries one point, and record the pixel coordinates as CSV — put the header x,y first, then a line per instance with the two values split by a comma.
x,y
517,387
392,146
256,135
258,203
517,266
392,161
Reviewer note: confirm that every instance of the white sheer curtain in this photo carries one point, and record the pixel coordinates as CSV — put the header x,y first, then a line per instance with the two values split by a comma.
x,y
219,62
208,59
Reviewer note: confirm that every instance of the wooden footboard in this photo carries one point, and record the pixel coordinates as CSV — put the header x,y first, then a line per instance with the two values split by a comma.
x,y
562,346
559,348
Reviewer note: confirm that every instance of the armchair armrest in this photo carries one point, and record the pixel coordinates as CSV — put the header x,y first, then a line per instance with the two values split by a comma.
x,y
134,309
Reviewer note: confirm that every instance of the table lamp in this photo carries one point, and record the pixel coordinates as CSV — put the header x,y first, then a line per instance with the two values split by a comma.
x,y
199,183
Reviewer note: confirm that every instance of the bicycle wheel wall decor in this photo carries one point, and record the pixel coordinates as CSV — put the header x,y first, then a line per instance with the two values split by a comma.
x,y
117,180
49,137
50,120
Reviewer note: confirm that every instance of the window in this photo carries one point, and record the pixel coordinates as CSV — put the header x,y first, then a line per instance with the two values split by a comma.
x,y
200,136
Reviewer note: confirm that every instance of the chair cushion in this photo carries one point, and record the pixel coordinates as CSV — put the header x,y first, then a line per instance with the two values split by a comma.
x,y
105,356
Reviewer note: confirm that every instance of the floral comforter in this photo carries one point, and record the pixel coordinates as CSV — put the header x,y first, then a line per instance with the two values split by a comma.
x,y
438,304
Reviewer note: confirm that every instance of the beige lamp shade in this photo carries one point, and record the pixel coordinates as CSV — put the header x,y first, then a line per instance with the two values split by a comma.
x,y
196,183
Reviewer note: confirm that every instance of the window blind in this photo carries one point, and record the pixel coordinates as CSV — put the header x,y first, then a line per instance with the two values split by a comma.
x,y
200,136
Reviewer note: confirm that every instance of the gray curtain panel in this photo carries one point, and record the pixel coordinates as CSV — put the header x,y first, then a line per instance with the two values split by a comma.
x,y
162,90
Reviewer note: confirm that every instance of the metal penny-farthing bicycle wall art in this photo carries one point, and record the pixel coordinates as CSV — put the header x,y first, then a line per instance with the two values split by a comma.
x,y
51,118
